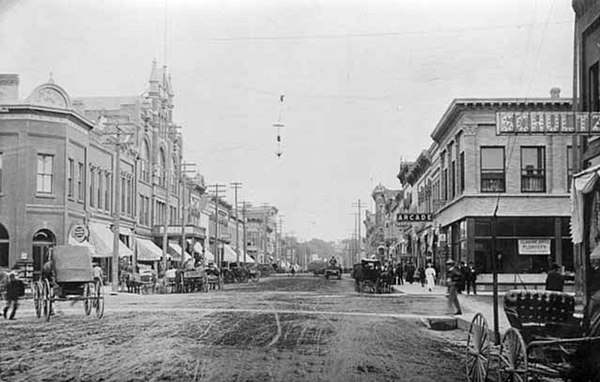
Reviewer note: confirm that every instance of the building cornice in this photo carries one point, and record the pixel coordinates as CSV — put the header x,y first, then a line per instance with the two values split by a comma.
x,y
459,105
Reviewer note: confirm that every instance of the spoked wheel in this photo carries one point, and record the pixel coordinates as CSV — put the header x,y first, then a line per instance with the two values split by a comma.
x,y
38,301
88,298
99,299
48,299
513,357
478,349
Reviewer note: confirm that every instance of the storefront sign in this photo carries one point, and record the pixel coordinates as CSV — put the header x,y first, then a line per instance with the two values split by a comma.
x,y
414,217
547,123
79,232
534,247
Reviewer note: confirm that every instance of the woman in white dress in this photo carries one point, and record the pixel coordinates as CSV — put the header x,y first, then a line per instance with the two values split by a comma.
x,y
430,277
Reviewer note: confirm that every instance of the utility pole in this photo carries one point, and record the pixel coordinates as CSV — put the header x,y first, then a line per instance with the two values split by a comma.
x,y
117,206
244,246
280,236
216,188
183,180
236,186
359,207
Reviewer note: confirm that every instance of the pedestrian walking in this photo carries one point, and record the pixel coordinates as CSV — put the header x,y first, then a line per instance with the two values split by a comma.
x,y
430,275
14,289
410,273
471,278
454,279
98,274
462,267
421,273
400,274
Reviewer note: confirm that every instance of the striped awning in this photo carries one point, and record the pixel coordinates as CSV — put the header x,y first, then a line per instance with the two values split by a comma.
x,y
147,250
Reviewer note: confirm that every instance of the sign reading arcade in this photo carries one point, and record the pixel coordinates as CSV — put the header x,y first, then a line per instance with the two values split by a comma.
x,y
547,123
414,217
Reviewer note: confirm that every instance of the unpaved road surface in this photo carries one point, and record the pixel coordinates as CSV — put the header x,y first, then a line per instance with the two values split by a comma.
x,y
281,329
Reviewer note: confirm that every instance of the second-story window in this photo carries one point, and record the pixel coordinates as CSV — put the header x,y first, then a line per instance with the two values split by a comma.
x,y
71,172
533,169
92,187
569,167
80,181
493,175
45,173
461,173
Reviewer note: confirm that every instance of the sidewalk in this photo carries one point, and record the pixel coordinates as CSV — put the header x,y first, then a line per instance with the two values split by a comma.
x,y
470,304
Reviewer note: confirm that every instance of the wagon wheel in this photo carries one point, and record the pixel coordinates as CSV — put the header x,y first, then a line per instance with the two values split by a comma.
x,y
38,302
99,299
513,357
47,297
478,349
87,295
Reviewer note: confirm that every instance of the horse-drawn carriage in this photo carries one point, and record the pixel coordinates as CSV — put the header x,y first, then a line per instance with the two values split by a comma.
x,y
369,276
333,271
186,280
545,341
72,279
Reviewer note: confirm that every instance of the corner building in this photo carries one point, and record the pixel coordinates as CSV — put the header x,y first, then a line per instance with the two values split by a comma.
x,y
522,179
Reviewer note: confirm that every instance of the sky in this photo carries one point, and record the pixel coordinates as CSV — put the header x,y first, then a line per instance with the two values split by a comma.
x,y
365,82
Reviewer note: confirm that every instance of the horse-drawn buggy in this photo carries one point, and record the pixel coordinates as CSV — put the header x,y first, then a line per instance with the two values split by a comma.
x,y
369,276
333,271
545,341
69,278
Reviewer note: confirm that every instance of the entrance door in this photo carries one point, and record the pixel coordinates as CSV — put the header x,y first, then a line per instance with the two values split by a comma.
x,y
43,240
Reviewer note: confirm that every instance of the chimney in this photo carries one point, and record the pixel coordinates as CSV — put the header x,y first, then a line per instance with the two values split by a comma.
x,y
9,88
555,93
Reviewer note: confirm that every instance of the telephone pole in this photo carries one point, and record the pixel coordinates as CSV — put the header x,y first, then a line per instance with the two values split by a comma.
x,y
183,180
118,133
216,189
359,207
244,245
236,186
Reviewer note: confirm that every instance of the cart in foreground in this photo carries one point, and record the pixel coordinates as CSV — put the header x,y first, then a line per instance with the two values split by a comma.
x,y
545,341
72,280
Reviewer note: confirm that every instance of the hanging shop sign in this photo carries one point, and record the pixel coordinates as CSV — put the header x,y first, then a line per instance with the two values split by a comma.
x,y
407,218
534,246
547,123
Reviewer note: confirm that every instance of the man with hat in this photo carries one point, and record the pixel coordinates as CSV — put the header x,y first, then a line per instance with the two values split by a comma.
x,y
454,277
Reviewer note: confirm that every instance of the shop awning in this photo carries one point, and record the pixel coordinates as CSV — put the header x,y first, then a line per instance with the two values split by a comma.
x,y
229,254
147,250
583,183
102,239
249,259
208,256
174,252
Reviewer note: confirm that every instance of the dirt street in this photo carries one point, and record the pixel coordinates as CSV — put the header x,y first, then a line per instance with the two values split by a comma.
x,y
281,329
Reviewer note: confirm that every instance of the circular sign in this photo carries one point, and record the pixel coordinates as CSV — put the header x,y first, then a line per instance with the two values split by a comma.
x,y
79,232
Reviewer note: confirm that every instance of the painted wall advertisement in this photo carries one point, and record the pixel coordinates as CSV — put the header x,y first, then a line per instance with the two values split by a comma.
x,y
534,246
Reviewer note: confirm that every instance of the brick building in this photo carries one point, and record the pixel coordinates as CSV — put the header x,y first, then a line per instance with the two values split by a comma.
x,y
471,173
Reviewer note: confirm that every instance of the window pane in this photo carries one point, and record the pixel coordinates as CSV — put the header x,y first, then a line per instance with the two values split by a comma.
x,y
492,158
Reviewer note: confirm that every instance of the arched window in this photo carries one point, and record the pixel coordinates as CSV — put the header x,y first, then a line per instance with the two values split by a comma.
x,y
162,173
43,240
174,175
145,161
4,247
